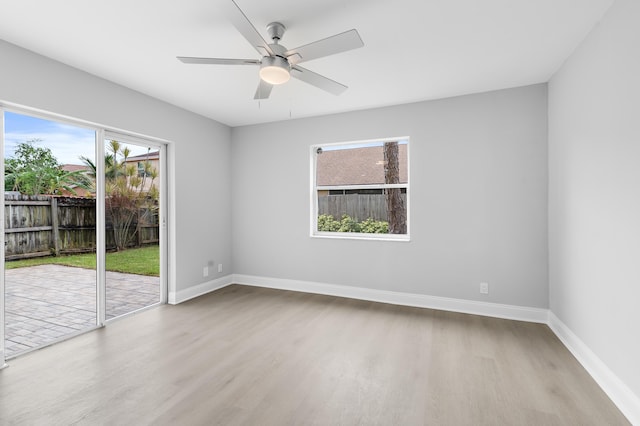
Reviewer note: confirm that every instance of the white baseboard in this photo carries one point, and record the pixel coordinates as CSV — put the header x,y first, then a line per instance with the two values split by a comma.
x,y
620,394
397,298
198,290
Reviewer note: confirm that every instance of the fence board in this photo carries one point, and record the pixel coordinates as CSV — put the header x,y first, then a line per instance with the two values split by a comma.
x,y
32,230
358,206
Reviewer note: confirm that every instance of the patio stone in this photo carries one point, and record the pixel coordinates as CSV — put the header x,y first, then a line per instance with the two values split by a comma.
x,y
47,302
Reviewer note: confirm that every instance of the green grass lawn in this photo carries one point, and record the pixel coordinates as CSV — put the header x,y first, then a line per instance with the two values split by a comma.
x,y
141,261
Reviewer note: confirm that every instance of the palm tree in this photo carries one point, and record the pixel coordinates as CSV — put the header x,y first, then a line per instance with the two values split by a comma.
x,y
128,203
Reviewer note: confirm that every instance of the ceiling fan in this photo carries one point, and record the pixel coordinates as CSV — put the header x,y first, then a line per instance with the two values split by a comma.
x,y
278,63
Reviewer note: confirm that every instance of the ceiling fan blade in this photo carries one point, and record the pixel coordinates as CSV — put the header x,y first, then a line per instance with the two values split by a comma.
x,y
264,90
218,61
248,31
342,42
317,80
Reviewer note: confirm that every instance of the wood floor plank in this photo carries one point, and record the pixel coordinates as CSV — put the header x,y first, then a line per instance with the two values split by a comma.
x,y
245,356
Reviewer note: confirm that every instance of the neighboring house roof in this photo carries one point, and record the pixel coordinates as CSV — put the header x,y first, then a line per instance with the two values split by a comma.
x,y
357,166
153,155
74,167
79,192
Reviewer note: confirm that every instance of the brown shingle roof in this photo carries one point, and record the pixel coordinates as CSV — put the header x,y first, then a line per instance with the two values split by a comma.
x,y
153,155
356,166
74,167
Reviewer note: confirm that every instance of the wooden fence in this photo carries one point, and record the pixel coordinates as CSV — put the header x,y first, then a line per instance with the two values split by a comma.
x,y
358,206
41,226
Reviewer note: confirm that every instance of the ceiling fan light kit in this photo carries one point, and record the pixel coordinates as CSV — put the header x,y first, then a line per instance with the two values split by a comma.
x,y
275,70
277,61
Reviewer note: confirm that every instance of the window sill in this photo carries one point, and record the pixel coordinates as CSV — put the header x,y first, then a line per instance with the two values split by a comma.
x,y
359,236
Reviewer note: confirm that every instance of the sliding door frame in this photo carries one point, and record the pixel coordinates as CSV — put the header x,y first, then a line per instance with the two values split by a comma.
x,y
102,133
163,206
3,364
101,239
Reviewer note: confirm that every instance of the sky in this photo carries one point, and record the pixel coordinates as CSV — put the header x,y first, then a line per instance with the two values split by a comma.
x,y
67,142
340,146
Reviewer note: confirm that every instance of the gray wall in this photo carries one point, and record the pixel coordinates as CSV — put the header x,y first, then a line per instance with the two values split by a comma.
x,y
594,192
478,168
199,153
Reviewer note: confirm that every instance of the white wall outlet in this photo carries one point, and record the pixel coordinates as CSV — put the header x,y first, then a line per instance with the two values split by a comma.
x,y
205,271
219,267
484,288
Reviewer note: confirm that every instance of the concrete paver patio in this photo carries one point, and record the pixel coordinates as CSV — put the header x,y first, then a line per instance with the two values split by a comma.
x,y
47,302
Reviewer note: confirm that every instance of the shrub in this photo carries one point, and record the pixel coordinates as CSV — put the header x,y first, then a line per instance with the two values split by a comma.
x,y
327,223
347,224
371,226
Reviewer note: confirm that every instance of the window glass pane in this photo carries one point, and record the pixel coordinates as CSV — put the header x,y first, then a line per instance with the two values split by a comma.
x,y
362,188
50,231
358,164
132,226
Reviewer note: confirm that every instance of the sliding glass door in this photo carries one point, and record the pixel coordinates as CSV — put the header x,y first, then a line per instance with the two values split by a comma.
x,y
83,224
49,231
133,175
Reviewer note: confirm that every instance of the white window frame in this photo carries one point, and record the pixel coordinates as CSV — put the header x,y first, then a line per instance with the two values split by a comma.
x,y
314,233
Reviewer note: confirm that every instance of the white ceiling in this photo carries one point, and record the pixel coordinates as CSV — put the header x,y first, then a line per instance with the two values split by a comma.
x,y
414,49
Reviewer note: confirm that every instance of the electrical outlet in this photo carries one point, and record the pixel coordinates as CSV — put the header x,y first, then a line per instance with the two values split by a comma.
x,y
205,271
484,288
219,267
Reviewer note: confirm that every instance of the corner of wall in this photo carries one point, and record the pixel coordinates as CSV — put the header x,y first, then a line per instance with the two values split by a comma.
x,y
177,297
612,385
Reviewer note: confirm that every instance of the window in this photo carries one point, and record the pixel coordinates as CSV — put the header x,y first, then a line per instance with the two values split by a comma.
x,y
361,189
141,169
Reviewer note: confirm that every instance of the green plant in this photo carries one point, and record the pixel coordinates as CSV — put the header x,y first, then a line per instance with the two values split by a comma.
x,y
131,196
370,226
34,170
327,223
348,224
128,194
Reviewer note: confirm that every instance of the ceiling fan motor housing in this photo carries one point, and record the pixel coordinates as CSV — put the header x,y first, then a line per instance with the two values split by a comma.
x,y
276,31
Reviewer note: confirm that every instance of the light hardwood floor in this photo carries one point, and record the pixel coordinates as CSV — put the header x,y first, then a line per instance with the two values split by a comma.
x,y
245,355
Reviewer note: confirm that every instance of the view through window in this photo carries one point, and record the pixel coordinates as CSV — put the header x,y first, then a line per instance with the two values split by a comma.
x,y
132,226
50,232
54,286
361,189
